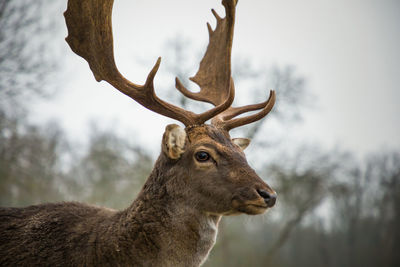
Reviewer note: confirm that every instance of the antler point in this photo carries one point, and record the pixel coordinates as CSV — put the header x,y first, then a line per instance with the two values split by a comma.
x,y
210,30
153,72
217,17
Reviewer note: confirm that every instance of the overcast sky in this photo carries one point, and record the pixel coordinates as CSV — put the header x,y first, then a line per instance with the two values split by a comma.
x,y
348,51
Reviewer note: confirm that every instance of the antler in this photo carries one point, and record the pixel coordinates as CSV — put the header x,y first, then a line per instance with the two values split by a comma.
x,y
214,74
90,36
226,119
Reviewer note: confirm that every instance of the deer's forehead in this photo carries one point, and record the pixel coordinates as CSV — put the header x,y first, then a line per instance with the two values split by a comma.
x,y
212,137
208,133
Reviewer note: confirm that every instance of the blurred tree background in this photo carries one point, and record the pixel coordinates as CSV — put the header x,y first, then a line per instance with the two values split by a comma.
x,y
332,210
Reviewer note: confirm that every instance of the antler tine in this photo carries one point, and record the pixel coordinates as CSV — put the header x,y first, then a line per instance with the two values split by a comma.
x,y
236,111
90,36
226,119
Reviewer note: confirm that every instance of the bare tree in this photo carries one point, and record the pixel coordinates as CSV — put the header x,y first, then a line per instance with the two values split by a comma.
x,y
28,154
110,166
27,59
29,163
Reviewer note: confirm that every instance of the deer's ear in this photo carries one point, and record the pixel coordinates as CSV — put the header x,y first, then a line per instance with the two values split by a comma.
x,y
241,142
174,139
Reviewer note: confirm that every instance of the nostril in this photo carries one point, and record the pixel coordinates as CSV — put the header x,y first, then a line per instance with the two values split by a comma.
x,y
263,194
269,198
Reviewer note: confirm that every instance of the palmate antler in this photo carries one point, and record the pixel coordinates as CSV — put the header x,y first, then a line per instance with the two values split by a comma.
x,y
90,36
214,68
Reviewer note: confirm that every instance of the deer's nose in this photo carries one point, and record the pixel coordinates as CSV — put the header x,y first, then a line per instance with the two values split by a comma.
x,y
269,198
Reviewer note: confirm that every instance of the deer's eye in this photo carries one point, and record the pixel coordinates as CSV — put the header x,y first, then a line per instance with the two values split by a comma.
x,y
202,156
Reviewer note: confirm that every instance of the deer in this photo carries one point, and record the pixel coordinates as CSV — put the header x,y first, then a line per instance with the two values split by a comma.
x,y
200,175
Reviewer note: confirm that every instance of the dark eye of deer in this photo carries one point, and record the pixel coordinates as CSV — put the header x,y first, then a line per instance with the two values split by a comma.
x,y
202,156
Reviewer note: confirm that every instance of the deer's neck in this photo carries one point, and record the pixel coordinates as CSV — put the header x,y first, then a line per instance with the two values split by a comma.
x,y
167,230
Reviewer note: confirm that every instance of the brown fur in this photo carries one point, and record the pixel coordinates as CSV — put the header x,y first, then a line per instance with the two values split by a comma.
x,y
172,222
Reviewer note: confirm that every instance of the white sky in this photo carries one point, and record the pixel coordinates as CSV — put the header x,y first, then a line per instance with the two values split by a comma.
x,y
348,51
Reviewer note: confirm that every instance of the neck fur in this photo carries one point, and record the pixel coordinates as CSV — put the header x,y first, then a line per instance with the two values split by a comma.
x,y
166,230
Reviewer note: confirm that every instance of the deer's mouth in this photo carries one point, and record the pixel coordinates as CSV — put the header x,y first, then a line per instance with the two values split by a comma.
x,y
255,209
250,207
